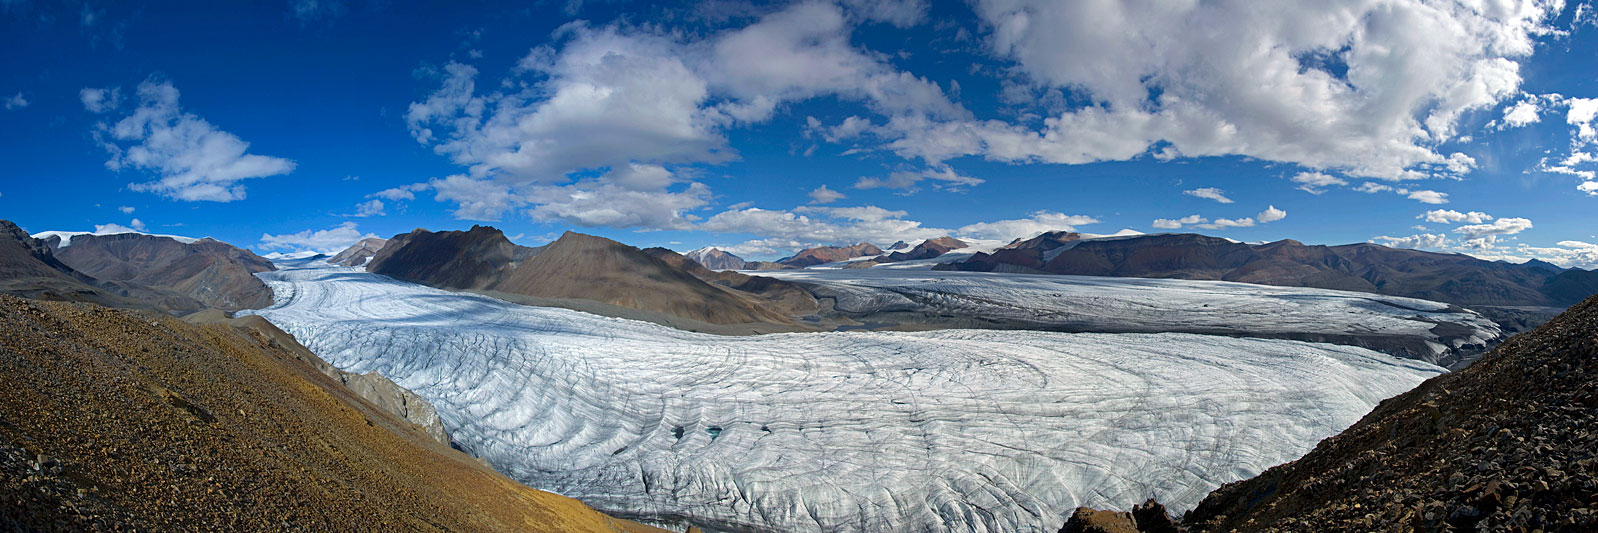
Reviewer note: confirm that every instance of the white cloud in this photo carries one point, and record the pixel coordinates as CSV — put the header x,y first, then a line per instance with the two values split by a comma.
x,y
1424,240
1039,222
397,194
195,160
596,203
1167,223
1210,193
1502,226
823,195
1314,182
1589,187
125,210
114,228
1371,187
1426,197
1365,88
16,101
1271,214
327,241
476,199
943,177
1449,216
372,208
1582,111
1522,113
1224,223
100,100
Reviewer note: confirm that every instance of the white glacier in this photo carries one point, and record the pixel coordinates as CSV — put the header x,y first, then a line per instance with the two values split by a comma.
x,y
1420,329
956,430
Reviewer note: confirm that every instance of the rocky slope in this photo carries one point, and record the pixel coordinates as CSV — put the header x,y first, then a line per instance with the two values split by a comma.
x,y
28,268
1506,444
716,259
928,249
576,268
211,272
784,297
359,253
127,420
829,254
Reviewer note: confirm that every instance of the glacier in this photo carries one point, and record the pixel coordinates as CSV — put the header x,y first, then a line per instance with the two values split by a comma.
x,y
953,430
1408,327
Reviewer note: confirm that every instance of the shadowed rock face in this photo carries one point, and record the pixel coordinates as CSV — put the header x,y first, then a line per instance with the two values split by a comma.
x,y
829,254
29,268
1505,444
359,253
211,272
1452,278
574,267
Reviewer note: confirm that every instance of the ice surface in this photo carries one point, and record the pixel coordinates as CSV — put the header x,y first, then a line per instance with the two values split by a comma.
x,y
1421,329
958,430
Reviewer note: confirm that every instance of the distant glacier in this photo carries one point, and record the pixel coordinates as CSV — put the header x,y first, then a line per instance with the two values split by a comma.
x,y
954,430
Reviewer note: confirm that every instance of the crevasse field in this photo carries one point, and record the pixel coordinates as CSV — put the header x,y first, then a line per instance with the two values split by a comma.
x,y
956,430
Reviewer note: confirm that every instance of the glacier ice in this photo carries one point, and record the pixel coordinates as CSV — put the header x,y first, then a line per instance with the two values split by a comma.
x,y
955,430
1420,329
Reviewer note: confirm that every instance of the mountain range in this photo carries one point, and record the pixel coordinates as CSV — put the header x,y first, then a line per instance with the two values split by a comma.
x,y
575,271
1494,288
211,272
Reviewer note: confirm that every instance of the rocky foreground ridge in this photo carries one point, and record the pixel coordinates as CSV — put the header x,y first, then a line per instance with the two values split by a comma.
x,y
132,420
1508,444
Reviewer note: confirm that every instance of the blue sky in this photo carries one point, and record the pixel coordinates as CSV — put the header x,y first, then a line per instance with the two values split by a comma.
x,y
765,127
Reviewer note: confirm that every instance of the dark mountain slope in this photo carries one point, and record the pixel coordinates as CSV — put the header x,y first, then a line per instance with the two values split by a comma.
x,y
574,267
1452,278
211,272
473,259
1508,443
28,268
117,420
782,296
716,259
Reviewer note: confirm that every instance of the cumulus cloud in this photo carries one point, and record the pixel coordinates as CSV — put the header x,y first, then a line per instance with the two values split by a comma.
x,y
595,203
1169,223
805,226
1320,84
1449,216
1210,193
1315,182
1502,226
823,195
327,241
1522,113
194,160
1426,197
1225,223
1423,240
1271,214
125,210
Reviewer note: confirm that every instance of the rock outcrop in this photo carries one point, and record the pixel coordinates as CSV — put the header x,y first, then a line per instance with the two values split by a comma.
x,y
1507,444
